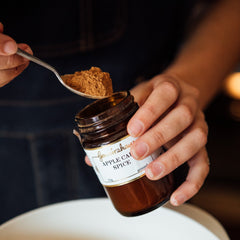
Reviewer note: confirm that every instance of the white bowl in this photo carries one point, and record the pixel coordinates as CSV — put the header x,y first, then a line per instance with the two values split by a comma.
x,y
96,219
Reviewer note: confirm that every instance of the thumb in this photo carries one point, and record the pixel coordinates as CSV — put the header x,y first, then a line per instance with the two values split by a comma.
x,y
7,45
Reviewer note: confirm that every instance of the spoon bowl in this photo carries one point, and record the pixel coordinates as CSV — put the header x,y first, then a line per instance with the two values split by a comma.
x,y
38,61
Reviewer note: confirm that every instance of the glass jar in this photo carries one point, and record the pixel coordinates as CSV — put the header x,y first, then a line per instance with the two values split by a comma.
x,y
103,135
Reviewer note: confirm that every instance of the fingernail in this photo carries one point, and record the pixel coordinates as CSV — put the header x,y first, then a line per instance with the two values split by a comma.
x,y
178,200
135,128
154,171
139,150
10,47
149,173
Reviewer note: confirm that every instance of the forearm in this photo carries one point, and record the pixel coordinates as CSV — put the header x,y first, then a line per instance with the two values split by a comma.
x,y
211,51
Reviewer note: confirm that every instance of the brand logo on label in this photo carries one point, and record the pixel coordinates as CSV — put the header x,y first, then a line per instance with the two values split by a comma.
x,y
119,149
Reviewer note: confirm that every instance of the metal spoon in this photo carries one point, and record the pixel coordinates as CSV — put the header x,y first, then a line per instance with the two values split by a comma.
x,y
32,58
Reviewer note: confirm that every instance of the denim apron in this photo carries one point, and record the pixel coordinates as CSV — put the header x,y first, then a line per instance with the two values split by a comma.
x,y
41,161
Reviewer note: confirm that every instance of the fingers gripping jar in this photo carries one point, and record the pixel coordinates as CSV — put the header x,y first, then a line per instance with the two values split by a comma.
x,y
103,135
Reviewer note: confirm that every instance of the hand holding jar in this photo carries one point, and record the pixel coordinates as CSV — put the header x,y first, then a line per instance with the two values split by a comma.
x,y
170,116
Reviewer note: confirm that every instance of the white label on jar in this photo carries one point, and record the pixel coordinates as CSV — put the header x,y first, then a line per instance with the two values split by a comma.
x,y
114,164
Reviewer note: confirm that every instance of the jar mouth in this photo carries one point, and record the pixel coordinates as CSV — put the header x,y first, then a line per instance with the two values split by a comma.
x,y
102,109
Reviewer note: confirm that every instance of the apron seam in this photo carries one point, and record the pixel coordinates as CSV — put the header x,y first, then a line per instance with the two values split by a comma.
x,y
39,192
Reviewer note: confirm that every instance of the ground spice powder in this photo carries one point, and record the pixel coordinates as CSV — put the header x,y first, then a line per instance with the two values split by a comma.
x,y
94,82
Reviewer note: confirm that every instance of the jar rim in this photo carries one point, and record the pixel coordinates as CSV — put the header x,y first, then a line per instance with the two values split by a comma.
x,y
92,112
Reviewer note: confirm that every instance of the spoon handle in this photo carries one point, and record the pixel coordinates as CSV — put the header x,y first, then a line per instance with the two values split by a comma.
x,y
32,58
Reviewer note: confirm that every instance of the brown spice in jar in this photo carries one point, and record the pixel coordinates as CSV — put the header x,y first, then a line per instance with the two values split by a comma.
x,y
94,82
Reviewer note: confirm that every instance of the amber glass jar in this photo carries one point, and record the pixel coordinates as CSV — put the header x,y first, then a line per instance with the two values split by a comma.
x,y
103,135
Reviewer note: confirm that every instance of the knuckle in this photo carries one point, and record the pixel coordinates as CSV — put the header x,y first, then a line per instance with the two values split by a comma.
x,y
195,92
201,115
187,113
201,136
171,88
175,160
206,163
206,168
148,110
158,137
195,186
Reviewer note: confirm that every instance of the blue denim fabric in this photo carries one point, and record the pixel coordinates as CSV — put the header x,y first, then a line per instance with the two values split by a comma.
x,y
41,161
